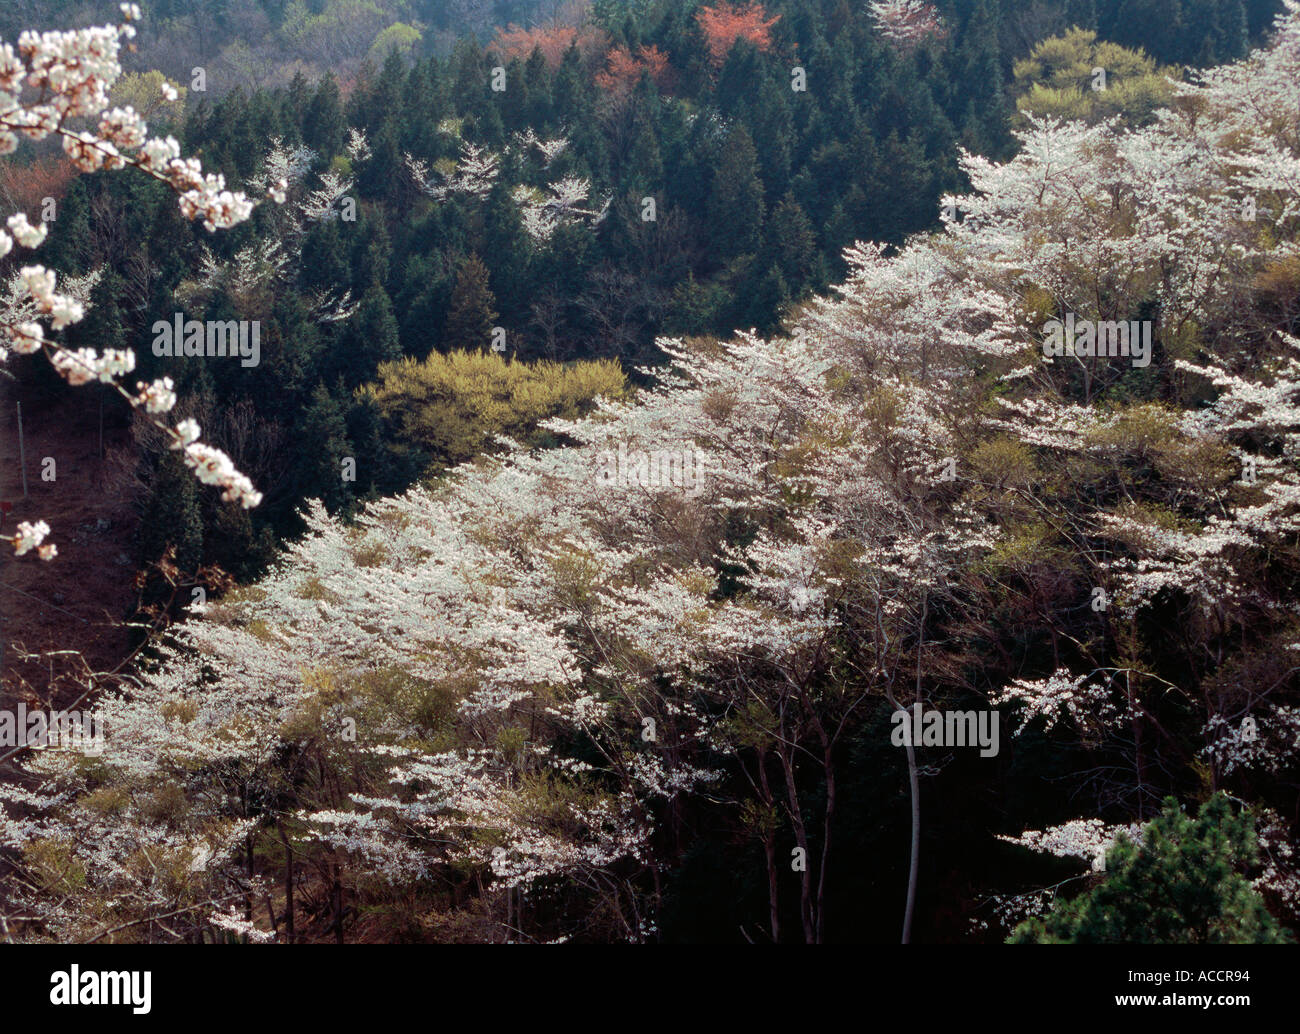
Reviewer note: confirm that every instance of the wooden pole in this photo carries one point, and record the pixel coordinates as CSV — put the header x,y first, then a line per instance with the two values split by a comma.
x,y
22,455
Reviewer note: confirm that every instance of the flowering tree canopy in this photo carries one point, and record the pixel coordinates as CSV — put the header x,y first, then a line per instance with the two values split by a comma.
x,y
486,702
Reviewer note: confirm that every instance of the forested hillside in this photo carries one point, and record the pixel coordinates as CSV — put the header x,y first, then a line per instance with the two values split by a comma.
x,y
651,171
665,419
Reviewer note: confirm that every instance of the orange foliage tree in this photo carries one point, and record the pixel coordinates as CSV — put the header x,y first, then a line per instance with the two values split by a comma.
x,y
24,187
724,23
553,40
623,69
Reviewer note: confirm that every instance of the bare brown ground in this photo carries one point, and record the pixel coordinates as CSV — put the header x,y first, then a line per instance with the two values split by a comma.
x,y
75,602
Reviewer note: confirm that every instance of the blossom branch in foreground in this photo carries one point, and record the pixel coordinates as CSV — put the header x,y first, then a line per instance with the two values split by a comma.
x,y
67,76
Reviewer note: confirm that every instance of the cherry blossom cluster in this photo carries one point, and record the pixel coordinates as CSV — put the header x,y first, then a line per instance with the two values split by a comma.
x,y
550,150
542,211
907,24
1061,694
1089,839
30,536
473,174
1266,740
541,214
1003,912
213,467
1279,860
276,257
71,74
48,82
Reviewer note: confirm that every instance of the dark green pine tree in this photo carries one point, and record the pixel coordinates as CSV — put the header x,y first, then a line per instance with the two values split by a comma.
x,y
978,103
690,170
292,351
172,516
1181,885
507,247
1260,15
323,128
372,338
792,246
230,380
1202,32
840,19
807,29
837,234
901,191
70,249
473,308
297,96
423,303
763,308
372,249
324,259
324,445
537,80
573,91
384,98
385,465
1082,13
104,325
261,122
975,132
424,105
1154,25
832,69
1236,31
1216,31
470,72
771,124
382,176
419,103
563,267
741,71
695,307
643,172
513,105
736,199
169,239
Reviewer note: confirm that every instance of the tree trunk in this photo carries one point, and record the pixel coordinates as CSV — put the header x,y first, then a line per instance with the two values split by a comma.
x,y
288,886
769,852
914,868
801,839
826,837
914,783
338,907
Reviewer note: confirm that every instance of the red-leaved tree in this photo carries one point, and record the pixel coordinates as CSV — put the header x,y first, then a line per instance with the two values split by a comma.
x,y
27,186
553,41
724,23
623,69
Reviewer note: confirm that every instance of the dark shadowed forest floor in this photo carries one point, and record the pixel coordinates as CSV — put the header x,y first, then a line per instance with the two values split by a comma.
x,y
88,587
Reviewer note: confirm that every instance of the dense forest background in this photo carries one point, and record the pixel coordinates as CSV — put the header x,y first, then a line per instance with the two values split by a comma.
x,y
757,187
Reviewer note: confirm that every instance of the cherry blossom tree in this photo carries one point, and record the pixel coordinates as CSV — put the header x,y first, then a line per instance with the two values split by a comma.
x,y
907,24
542,209
486,704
